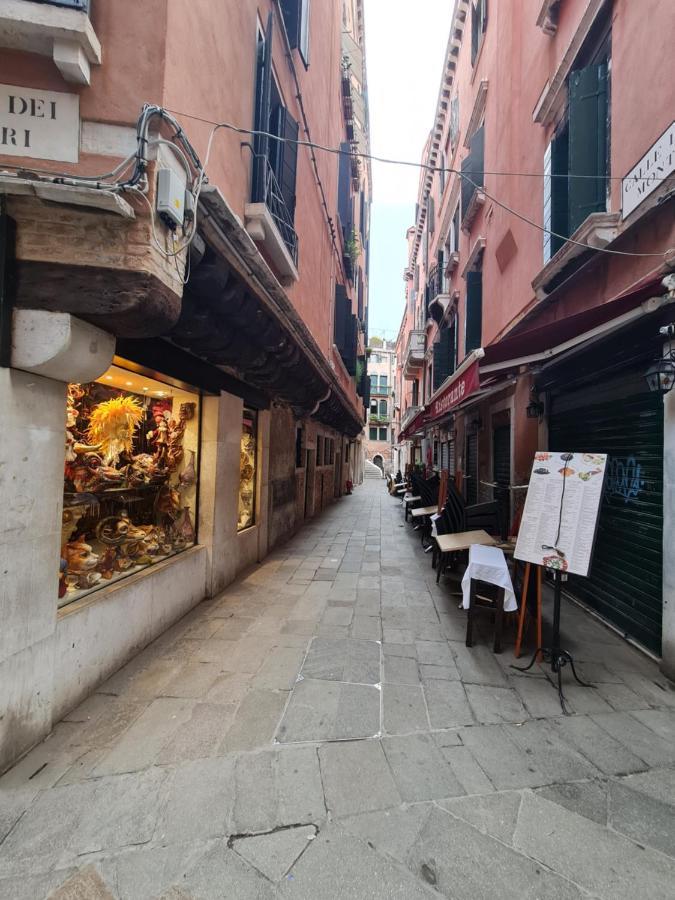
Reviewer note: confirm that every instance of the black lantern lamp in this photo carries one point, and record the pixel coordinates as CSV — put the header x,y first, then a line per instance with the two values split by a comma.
x,y
535,408
661,374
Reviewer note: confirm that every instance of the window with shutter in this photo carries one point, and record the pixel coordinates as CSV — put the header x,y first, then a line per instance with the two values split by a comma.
x,y
454,121
383,434
288,159
372,434
472,168
296,19
340,318
474,311
478,26
263,89
443,351
344,190
556,206
587,142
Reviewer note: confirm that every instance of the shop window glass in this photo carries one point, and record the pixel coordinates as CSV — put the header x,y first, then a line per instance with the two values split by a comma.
x,y
248,467
130,479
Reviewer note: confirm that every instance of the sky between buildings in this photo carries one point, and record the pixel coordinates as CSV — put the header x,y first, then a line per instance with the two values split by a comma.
x,y
405,46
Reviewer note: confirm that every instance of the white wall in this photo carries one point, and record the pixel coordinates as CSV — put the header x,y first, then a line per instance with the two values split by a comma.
x,y
49,660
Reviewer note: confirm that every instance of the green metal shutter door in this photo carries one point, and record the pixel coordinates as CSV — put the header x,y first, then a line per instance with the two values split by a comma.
x,y
623,419
471,489
501,472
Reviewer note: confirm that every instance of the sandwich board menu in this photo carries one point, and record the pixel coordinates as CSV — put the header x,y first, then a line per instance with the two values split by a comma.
x,y
561,511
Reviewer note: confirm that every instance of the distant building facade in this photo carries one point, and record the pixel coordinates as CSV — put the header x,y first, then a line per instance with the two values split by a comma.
x,y
379,427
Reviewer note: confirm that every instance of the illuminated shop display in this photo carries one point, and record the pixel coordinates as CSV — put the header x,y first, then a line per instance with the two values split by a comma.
x,y
247,470
130,484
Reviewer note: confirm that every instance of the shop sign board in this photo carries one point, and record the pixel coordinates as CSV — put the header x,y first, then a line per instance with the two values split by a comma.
x,y
650,172
458,389
39,124
561,511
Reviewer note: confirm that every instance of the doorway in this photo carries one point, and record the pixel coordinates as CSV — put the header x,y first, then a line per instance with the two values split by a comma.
x,y
310,469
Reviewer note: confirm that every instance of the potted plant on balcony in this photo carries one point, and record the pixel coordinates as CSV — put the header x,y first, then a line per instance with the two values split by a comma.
x,y
352,249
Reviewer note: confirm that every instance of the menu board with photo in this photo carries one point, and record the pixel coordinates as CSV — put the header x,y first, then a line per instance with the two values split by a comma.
x,y
561,511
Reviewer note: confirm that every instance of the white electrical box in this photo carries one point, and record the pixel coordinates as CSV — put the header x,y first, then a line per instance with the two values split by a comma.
x,y
170,197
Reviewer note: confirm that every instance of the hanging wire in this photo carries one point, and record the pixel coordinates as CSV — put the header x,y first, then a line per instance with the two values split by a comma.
x,y
338,152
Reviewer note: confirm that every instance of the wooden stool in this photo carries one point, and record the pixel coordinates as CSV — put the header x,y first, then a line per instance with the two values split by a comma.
x,y
523,607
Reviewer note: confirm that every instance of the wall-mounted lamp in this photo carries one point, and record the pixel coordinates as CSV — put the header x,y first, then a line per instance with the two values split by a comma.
x,y
661,374
535,408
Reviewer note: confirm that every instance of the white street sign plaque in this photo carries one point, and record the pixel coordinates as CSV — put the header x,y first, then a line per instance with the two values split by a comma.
x,y
39,124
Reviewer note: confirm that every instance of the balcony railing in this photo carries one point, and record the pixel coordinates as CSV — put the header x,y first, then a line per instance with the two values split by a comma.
x,y
274,200
71,4
413,358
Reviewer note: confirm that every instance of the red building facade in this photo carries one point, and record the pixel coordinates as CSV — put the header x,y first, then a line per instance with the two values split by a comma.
x,y
179,265
534,288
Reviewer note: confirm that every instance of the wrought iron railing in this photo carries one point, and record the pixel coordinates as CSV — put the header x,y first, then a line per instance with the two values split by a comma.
x,y
273,199
435,282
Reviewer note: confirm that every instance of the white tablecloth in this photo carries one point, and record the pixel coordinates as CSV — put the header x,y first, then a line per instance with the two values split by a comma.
x,y
488,564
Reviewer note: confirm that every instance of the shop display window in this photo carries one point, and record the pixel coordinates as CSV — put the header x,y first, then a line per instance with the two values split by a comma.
x,y
248,469
130,480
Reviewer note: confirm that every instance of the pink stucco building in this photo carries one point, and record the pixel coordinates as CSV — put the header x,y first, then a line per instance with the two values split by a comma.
x,y
207,284
534,288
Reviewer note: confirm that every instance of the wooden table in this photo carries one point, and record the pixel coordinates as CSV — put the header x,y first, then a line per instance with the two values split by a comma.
x,y
407,502
424,511
461,540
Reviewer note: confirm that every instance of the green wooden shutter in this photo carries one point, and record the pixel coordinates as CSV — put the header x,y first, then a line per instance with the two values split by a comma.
x,y
478,156
289,161
474,311
340,318
262,111
443,350
587,143
290,9
344,191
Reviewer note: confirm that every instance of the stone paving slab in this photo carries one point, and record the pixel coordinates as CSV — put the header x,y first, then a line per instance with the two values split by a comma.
x,y
343,660
330,711
419,768
460,861
275,853
614,868
357,778
403,709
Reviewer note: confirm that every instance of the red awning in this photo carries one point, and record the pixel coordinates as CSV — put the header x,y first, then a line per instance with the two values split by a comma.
x,y
457,390
547,337
416,425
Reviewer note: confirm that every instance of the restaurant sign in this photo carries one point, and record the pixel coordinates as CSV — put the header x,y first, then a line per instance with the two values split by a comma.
x,y
456,391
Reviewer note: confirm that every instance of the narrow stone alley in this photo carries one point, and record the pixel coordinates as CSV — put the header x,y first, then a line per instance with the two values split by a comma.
x,y
320,730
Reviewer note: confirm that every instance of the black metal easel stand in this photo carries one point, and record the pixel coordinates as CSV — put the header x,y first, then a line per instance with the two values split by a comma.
x,y
555,655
